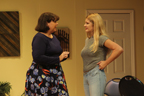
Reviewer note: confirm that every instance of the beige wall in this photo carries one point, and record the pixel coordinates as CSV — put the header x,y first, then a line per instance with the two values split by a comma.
x,y
13,69
72,15
136,5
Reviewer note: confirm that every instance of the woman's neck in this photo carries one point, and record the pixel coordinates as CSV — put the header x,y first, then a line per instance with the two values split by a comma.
x,y
89,35
47,34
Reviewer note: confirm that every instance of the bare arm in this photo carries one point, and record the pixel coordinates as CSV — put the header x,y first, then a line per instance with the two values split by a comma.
x,y
116,51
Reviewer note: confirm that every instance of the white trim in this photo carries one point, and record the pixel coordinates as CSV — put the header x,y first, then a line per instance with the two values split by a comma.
x,y
131,12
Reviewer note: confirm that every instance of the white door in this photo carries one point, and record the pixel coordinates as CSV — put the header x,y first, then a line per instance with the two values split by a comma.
x,y
118,26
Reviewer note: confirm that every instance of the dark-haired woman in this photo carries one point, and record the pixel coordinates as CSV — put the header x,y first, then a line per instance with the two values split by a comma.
x,y
45,76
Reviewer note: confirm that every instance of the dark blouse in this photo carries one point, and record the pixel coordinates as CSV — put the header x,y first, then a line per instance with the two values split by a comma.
x,y
46,51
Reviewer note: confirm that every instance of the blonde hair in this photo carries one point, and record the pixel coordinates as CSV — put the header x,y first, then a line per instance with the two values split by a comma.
x,y
99,29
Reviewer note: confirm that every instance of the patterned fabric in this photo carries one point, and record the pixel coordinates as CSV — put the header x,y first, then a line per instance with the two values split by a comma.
x,y
45,82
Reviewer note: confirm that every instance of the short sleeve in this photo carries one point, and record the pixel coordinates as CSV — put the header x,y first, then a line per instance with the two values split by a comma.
x,y
102,39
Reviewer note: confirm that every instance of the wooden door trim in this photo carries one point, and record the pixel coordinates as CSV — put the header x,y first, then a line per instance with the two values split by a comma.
x,y
131,12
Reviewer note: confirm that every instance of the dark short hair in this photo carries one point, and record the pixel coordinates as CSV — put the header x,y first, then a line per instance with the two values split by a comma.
x,y
45,18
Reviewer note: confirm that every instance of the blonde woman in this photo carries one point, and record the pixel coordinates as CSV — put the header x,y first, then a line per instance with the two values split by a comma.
x,y
97,45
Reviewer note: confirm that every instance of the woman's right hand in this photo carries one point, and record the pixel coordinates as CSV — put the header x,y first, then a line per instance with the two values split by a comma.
x,y
63,55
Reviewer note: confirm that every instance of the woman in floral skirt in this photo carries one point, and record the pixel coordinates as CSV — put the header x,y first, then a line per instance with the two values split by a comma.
x,y
45,76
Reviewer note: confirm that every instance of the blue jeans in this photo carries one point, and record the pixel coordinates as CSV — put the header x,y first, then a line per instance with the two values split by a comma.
x,y
94,82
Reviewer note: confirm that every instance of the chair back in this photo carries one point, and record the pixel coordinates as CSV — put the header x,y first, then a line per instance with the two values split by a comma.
x,y
112,87
131,86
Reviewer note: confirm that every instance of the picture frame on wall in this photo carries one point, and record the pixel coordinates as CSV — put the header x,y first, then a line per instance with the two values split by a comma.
x,y
62,35
9,33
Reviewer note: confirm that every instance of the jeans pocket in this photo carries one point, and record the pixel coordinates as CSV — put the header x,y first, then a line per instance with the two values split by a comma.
x,y
94,72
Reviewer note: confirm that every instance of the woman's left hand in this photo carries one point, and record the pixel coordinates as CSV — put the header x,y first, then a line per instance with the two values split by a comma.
x,y
102,65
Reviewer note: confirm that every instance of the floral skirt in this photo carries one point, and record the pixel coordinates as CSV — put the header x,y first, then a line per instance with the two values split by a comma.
x,y
45,82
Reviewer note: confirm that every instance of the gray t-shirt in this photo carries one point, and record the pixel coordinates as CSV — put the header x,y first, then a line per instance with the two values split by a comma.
x,y
91,59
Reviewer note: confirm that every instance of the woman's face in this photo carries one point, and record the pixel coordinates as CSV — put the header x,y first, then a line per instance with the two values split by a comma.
x,y
88,26
52,25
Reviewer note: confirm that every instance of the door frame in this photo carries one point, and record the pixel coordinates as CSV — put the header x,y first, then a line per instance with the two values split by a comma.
x,y
131,12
